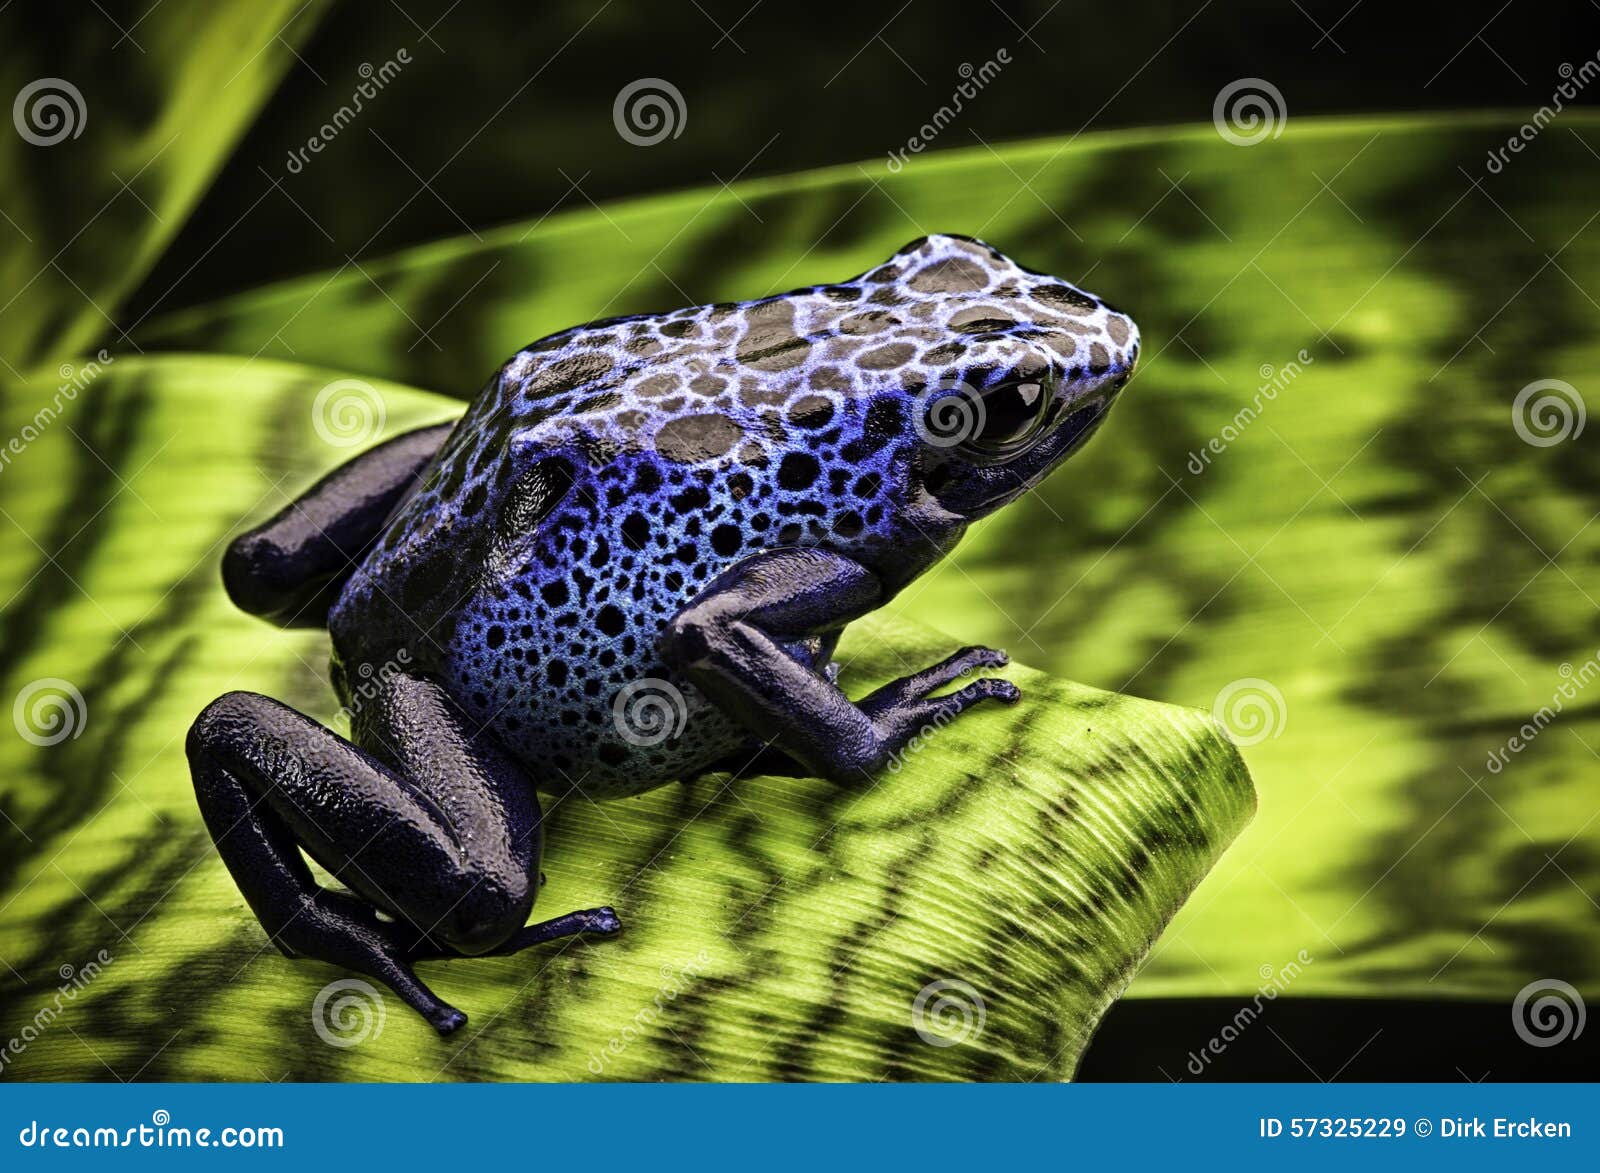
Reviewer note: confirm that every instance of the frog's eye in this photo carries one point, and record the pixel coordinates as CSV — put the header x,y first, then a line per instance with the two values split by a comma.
x,y
987,423
1010,415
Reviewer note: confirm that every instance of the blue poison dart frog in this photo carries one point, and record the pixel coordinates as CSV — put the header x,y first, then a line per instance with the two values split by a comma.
x,y
628,563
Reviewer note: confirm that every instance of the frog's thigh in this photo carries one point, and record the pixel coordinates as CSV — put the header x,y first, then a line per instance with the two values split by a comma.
x,y
435,827
290,568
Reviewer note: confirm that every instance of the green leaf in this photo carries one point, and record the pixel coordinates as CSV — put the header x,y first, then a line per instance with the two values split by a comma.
x,y
1373,539
115,157
1011,875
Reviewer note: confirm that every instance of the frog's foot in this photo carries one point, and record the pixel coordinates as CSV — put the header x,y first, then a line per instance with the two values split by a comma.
x,y
343,931
272,783
602,922
903,709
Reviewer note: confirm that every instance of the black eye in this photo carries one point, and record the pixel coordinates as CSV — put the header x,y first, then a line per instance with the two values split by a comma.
x,y
1011,413
985,422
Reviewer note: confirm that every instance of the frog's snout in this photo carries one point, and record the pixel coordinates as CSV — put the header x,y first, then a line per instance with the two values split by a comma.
x,y
1129,348
1123,333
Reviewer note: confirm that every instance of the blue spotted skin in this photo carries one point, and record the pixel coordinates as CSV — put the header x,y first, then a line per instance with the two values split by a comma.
x,y
606,474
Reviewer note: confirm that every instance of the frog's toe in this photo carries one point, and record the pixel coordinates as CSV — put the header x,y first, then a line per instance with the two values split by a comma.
x,y
918,685
987,689
990,689
969,660
447,1021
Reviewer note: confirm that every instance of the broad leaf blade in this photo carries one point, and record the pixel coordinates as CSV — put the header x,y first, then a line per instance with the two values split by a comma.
x,y
1026,858
115,157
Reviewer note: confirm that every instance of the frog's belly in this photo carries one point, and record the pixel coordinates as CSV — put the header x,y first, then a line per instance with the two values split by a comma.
x,y
606,730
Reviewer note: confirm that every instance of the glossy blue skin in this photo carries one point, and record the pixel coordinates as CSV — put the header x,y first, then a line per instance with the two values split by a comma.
x,y
693,439
632,556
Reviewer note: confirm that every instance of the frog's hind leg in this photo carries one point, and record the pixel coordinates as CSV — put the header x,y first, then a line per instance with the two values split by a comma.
x,y
434,826
290,568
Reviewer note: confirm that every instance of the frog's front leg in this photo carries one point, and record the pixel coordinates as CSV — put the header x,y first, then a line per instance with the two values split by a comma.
x,y
290,568
430,822
732,642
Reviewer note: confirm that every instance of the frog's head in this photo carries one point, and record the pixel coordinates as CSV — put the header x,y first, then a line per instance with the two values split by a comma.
x,y
1028,370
